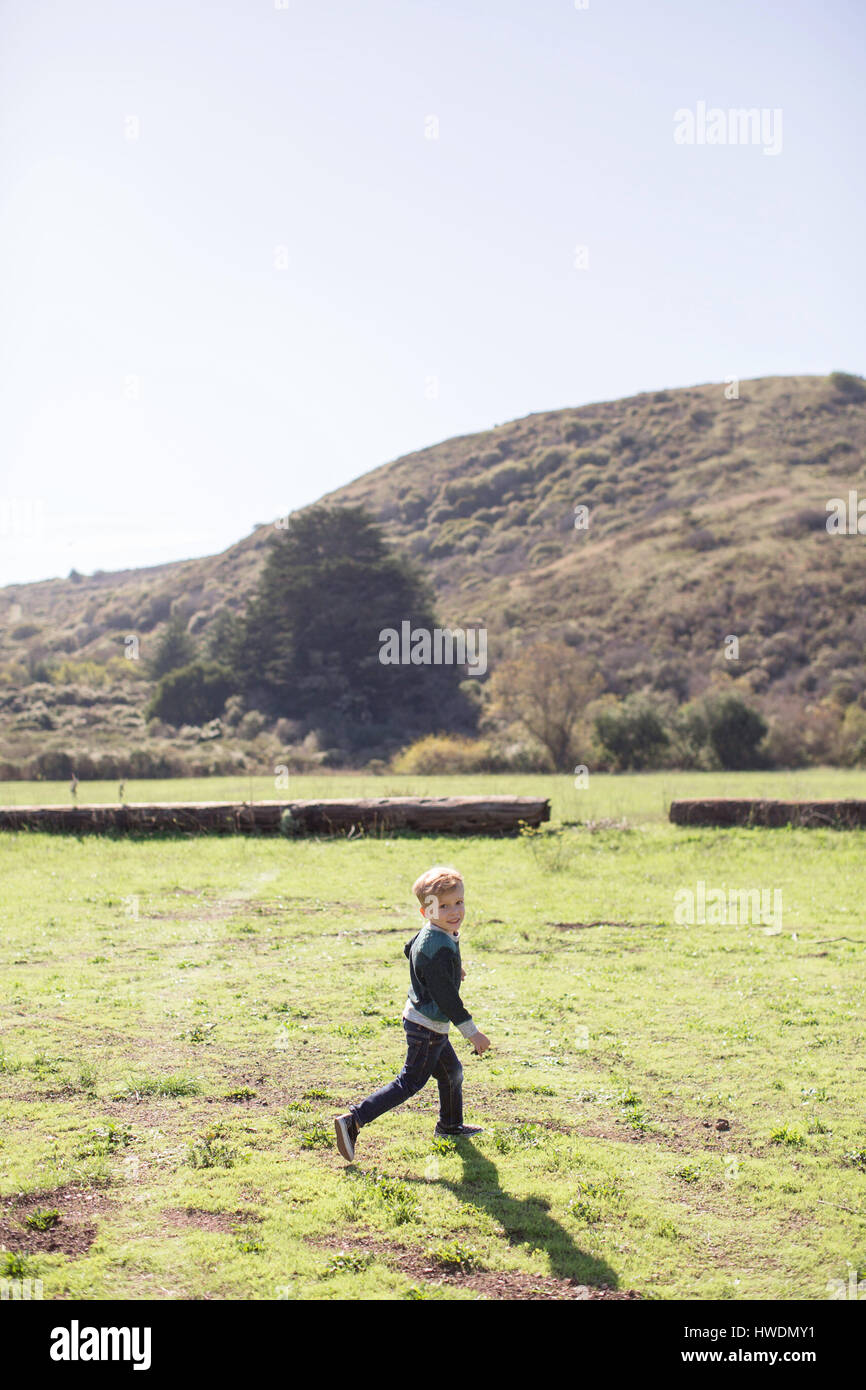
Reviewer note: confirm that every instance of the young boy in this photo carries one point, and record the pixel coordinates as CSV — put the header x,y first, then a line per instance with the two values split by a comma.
x,y
435,973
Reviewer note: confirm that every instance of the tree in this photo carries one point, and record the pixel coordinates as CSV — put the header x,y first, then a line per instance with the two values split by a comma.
x,y
631,733
545,689
174,649
310,646
222,638
734,731
191,695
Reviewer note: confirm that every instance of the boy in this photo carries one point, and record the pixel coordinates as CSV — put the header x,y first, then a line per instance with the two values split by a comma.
x,y
435,973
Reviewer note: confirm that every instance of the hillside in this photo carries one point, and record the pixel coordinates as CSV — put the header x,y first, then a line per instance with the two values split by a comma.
x,y
706,518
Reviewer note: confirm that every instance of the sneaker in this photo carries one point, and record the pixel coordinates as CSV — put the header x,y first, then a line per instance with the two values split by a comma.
x,y
347,1132
463,1132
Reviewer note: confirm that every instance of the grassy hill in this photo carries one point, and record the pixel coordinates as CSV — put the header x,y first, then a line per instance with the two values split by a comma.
x,y
706,519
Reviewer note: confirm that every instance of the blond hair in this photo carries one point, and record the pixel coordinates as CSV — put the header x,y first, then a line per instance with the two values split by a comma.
x,y
439,879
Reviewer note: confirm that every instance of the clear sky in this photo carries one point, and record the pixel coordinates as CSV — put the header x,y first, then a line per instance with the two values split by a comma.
x,y
250,250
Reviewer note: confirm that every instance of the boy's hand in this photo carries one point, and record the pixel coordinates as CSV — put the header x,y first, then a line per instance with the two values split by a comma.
x,y
462,973
480,1042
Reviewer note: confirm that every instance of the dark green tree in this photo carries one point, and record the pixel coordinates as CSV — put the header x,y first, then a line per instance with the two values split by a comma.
x,y
311,645
222,638
191,695
631,733
174,648
734,731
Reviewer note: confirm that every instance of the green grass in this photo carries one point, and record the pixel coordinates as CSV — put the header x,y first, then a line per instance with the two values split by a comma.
x,y
182,1018
640,796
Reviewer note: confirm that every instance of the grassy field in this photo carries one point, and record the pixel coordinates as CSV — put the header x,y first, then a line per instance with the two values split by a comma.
x,y
671,1110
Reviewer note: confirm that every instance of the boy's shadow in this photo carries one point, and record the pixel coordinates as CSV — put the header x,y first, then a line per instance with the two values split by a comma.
x,y
525,1220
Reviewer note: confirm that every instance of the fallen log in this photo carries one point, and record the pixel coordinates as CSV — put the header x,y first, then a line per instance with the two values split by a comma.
x,y
721,811
444,815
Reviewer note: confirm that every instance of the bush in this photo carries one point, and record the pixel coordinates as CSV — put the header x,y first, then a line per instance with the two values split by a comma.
x,y
577,431
588,480
287,729
462,534
852,387
55,765
591,458
192,695
252,724
544,551
734,731
689,746
852,737
549,460
485,489
446,753
631,734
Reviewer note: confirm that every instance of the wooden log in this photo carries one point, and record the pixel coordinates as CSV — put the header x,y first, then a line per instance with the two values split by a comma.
x,y
721,811
463,815
448,815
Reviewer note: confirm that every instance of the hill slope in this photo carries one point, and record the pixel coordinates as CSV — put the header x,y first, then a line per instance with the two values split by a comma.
x,y
706,518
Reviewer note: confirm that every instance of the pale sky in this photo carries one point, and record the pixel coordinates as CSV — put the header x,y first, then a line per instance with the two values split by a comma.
x,y
249,251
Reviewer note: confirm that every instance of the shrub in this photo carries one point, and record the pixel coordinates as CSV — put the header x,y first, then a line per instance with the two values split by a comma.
x,y
447,753
699,418
549,460
852,387
788,1134
252,724
191,695
577,431
631,734
42,1219
544,551
588,481
455,1255
348,1262
734,731
591,458
462,534
466,495
211,1151
55,765
412,506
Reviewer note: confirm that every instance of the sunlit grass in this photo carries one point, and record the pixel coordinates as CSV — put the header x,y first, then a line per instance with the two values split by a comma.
x,y
182,1018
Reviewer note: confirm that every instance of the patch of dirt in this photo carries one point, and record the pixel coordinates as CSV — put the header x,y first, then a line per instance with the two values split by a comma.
x,y
506,1285
214,909
603,922
680,1136
73,1234
209,1220
147,1112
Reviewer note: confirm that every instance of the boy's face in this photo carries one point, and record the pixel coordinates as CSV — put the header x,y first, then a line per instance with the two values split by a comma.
x,y
446,910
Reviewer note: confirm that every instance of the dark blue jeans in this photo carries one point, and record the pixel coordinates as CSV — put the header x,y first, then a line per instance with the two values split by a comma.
x,y
427,1054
